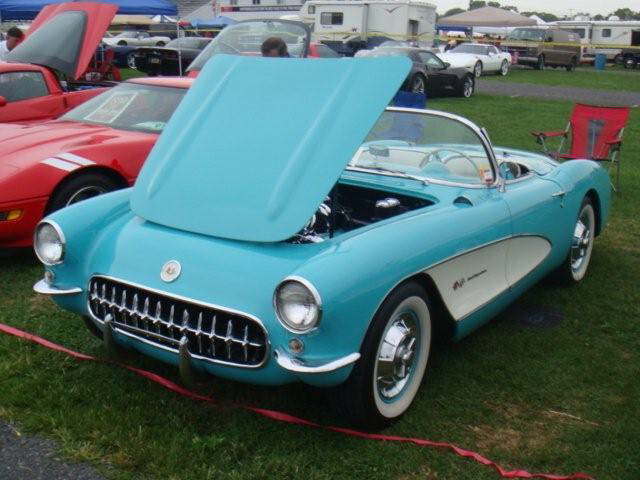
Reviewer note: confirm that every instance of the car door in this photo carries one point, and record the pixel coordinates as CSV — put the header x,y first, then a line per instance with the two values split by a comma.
x,y
27,97
437,80
493,58
540,223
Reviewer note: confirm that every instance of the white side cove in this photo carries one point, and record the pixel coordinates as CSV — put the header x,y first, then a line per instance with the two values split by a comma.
x,y
470,280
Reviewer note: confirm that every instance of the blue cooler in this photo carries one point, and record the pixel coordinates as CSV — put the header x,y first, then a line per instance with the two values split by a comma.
x,y
601,61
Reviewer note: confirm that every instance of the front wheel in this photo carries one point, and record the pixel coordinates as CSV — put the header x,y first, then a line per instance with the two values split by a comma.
x,y
131,60
122,43
630,62
467,86
574,268
80,188
504,68
418,84
395,352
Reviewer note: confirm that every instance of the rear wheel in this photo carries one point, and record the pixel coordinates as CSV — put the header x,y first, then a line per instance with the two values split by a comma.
x,y
630,62
395,352
477,69
575,266
618,59
131,60
467,86
540,65
572,65
81,188
122,43
504,68
160,44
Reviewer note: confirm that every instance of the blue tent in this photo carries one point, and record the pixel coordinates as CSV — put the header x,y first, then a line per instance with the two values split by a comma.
x,y
28,9
216,22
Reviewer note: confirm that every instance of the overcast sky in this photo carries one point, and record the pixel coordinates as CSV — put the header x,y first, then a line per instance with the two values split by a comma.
x,y
558,7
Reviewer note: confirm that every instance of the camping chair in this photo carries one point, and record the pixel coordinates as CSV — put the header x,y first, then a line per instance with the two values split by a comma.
x,y
596,134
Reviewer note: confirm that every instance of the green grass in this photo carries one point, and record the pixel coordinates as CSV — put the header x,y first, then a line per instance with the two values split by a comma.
x,y
128,73
612,79
554,400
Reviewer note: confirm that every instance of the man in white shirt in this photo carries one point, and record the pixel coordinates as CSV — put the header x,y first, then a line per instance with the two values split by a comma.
x,y
14,37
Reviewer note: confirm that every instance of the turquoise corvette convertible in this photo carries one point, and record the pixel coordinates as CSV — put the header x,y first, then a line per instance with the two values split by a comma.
x,y
289,226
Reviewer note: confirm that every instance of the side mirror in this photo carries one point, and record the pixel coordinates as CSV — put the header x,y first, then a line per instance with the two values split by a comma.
x,y
3,101
446,65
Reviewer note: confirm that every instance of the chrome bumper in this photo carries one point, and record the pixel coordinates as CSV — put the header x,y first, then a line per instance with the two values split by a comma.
x,y
294,365
44,288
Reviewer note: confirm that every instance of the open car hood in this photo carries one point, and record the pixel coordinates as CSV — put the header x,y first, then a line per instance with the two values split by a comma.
x,y
65,36
257,143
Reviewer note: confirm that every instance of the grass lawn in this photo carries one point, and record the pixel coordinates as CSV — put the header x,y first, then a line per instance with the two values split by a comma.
x,y
560,400
128,73
611,79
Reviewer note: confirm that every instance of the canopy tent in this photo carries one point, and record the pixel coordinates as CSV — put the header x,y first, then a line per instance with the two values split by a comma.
x,y
486,17
28,9
201,14
217,22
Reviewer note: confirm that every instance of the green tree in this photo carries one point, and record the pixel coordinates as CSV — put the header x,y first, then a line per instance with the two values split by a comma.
x,y
494,4
454,11
626,14
473,4
513,8
598,17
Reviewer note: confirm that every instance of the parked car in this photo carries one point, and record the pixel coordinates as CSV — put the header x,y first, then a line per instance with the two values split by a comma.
x,y
245,38
542,47
429,74
60,44
137,38
97,147
630,57
478,58
165,61
318,237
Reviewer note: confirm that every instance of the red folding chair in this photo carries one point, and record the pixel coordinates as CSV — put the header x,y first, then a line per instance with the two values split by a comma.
x,y
596,134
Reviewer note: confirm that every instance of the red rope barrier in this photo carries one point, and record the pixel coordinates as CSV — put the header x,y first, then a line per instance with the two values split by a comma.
x,y
286,418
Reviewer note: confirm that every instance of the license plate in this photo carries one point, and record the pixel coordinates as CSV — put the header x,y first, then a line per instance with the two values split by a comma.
x,y
154,60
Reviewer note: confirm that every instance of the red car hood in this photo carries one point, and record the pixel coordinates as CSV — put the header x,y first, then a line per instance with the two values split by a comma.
x,y
34,158
82,25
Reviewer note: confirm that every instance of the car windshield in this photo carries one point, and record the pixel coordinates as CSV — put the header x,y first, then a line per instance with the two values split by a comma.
x,y
385,52
533,34
473,49
130,106
188,42
127,34
245,38
425,146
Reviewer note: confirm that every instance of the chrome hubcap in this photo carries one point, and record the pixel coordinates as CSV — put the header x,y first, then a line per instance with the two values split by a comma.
x,y
505,68
131,61
418,85
478,70
580,241
468,88
397,357
85,193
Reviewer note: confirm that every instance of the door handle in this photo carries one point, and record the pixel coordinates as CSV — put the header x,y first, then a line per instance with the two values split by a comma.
x,y
559,194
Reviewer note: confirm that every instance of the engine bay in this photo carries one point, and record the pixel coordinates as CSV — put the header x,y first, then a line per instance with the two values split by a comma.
x,y
348,207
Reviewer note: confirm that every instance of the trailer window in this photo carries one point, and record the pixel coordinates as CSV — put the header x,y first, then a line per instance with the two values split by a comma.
x,y
331,18
579,31
606,33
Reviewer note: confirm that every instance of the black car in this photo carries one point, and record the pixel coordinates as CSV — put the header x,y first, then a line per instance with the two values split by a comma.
x,y
429,74
164,60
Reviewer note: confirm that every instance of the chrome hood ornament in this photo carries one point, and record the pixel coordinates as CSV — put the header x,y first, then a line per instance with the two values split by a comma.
x,y
170,271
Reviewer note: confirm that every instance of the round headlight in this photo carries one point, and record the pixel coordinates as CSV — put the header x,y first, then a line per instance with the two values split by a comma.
x,y
298,305
49,243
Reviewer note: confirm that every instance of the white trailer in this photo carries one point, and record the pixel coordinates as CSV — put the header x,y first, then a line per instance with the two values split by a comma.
x,y
349,25
616,33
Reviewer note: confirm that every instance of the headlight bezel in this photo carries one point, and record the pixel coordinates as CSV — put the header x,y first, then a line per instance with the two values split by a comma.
x,y
289,326
61,237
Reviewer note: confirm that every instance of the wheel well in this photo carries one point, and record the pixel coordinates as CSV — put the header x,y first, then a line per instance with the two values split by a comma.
x,y
112,174
595,201
443,322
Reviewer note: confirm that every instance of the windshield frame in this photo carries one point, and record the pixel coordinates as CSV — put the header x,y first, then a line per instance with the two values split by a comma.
x,y
302,25
486,143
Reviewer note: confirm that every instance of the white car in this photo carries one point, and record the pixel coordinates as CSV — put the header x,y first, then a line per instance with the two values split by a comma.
x,y
478,58
136,38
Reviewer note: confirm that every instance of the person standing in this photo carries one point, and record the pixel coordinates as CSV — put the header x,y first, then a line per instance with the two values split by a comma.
x,y
14,37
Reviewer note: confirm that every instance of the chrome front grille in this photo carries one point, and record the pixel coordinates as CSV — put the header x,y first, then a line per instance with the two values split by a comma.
x,y
212,333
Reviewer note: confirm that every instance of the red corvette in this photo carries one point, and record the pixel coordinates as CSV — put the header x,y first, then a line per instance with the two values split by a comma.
x,y
60,43
97,147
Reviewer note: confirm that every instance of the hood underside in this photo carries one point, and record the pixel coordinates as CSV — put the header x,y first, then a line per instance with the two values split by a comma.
x,y
65,36
257,143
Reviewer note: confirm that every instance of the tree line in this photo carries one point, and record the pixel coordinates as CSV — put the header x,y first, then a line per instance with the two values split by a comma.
x,y
621,13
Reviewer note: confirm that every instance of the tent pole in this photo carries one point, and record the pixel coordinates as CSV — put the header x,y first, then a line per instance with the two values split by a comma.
x,y
179,48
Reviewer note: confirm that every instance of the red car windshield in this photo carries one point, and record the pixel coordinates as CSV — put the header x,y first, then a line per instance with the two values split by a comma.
x,y
130,106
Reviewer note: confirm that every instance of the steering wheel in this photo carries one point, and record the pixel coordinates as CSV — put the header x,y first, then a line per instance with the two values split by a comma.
x,y
458,154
